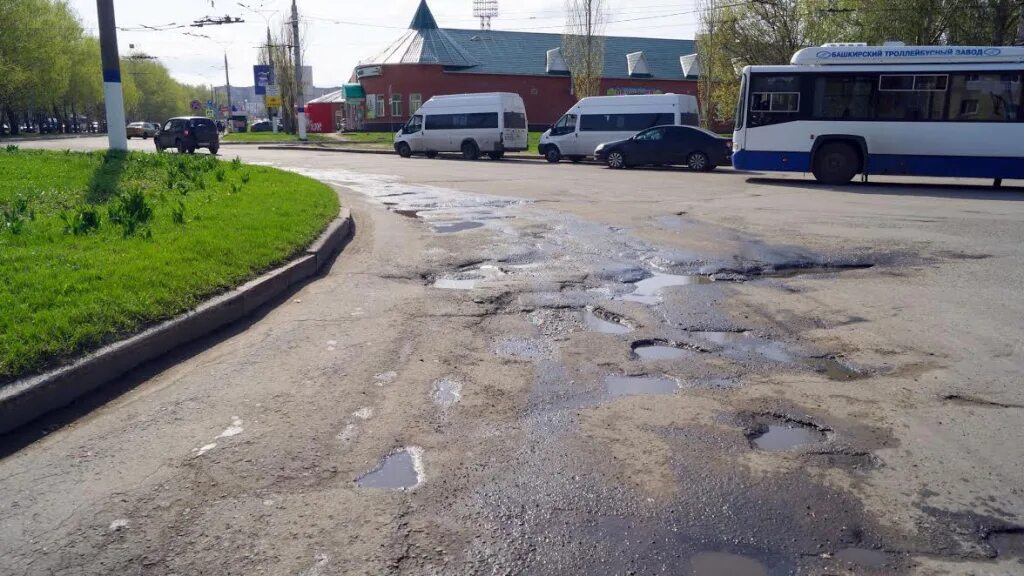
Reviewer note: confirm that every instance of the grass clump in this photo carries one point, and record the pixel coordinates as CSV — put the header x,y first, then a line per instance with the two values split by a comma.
x,y
95,247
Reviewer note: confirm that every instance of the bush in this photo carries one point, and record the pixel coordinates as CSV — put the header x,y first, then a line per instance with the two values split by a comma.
x,y
13,217
132,212
82,220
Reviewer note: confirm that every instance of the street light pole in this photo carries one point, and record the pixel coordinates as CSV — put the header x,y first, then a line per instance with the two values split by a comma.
x,y
274,118
227,80
117,134
300,105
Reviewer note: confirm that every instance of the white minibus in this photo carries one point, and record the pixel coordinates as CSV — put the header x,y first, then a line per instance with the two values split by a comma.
x,y
601,119
489,123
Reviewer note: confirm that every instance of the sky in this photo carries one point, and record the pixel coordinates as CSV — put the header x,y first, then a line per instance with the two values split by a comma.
x,y
340,33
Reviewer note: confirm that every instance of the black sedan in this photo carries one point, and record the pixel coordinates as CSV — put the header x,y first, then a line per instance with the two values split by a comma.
x,y
693,147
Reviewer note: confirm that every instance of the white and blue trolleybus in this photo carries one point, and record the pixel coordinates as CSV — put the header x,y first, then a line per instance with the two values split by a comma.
x,y
845,109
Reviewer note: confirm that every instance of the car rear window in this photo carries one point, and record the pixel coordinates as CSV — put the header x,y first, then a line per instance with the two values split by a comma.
x,y
202,123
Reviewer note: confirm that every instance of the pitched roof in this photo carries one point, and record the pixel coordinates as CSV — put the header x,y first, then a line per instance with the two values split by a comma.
x,y
503,52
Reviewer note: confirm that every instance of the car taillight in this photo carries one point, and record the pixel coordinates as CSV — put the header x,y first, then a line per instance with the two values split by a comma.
x,y
728,145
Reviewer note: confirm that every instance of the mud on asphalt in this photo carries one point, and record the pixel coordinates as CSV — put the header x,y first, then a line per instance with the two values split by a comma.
x,y
645,444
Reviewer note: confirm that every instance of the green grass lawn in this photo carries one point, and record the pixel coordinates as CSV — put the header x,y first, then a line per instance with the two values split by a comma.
x,y
96,247
385,139
269,137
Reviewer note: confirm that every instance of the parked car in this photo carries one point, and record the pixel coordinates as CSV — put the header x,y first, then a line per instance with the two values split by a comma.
x,y
693,147
490,123
142,130
261,126
598,119
187,133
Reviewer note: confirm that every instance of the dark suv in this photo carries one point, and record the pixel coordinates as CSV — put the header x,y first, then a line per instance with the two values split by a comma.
x,y
187,133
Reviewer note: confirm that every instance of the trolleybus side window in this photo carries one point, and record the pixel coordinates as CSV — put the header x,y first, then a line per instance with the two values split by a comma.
x,y
842,97
985,97
911,96
774,99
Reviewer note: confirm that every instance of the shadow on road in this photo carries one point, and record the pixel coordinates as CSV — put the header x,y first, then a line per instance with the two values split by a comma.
x,y
930,190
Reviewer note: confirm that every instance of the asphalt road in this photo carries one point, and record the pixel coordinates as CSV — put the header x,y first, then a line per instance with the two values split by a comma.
x,y
523,368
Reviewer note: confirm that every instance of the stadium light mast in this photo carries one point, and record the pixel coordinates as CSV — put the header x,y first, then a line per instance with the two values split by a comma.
x,y
485,10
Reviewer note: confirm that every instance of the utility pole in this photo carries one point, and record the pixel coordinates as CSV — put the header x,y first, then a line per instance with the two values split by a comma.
x,y
273,79
227,80
300,106
117,135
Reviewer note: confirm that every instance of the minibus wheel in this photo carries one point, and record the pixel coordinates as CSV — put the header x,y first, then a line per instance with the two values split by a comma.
x,y
403,150
470,151
553,154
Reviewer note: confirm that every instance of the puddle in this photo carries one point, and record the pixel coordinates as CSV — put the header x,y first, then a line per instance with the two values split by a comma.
x,y
833,369
648,290
723,337
599,320
784,436
456,227
447,392
1008,542
639,385
455,284
398,471
659,350
724,564
863,557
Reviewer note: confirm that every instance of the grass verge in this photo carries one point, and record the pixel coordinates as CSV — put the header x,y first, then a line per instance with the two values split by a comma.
x,y
269,137
95,247
385,140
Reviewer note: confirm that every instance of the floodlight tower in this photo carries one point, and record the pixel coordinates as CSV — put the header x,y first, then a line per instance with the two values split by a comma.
x,y
485,10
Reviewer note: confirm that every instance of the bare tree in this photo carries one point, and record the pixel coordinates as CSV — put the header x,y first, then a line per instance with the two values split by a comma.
x,y
708,53
583,44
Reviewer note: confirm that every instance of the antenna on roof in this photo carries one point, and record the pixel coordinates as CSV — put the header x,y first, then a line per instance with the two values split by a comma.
x,y
485,10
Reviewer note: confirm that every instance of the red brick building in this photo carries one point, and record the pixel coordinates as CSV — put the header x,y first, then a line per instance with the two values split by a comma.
x,y
428,61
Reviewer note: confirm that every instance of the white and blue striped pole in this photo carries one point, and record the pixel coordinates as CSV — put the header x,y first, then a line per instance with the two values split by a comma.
x,y
117,134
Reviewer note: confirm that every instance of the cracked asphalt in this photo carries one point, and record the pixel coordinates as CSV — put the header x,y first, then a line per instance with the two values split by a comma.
x,y
523,368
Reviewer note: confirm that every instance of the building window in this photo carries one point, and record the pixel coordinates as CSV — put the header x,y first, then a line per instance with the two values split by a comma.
x,y
396,105
415,101
379,106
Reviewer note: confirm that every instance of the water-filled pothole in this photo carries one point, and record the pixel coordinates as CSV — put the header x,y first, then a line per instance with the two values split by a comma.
x,y
1007,542
447,392
639,385
781,435
601,320
723,337
648,290
863,557
658,349
399,470
452,227
456,283
723,563
833,369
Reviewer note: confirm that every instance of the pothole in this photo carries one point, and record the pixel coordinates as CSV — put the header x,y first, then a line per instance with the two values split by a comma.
x,y
863,557
400,470
723,563
723,337
453,227
523,348
601,320
447,392
408,213
800,270
648,290
780,435
616,385
1007,542
833,369
658,349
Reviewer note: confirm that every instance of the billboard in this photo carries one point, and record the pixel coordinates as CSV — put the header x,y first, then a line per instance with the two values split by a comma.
x,y
263,76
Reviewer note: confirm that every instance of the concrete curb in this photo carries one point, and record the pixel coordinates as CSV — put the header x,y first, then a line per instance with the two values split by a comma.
x,y
374,151
25,400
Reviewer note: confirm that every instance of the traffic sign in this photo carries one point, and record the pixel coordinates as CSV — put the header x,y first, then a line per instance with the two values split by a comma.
x,y
223,108
209,113
209,104
274,90
273,101
196,105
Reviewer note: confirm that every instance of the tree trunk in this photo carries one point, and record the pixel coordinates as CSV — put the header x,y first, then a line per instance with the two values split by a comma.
x,y
1000,14
12,119
1020,23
